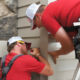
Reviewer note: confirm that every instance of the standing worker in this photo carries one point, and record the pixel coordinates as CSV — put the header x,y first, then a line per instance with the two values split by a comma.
x,y
24,65
55,18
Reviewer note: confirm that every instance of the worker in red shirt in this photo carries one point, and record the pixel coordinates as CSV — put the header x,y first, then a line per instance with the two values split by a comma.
x,y
55,17
26,64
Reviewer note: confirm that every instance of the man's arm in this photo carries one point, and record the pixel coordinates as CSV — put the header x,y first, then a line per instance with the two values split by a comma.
x,y
47,69
66,43
53,26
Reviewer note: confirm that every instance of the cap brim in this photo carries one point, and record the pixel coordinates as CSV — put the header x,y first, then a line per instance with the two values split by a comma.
x,y
33,26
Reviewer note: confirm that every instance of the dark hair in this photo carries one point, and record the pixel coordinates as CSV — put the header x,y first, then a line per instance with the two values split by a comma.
x,y
41,9
10,47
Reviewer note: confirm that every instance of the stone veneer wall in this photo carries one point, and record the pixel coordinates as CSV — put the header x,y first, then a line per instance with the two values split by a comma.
x,y
8,19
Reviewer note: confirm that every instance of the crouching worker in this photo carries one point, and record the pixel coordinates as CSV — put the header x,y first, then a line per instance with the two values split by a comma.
x,y
23,63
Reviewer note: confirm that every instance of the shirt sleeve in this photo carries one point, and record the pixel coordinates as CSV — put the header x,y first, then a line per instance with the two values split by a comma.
x,y
33,65
50,23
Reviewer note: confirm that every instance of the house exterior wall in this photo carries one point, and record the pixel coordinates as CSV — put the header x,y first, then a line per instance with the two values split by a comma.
x,y
24,26
66,65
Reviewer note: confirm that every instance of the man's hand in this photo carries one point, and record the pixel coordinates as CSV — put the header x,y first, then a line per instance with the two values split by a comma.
x,y
35,52
47,70
54,56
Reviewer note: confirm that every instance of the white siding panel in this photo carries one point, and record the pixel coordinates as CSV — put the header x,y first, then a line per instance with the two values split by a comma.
x,y
65,65
22,12
63,70
23,22
70,55
28,33
65,75
53,77
44,2
26,2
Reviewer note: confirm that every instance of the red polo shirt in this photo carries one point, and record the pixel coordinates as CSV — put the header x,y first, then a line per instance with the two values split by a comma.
x,y
22,67
61,13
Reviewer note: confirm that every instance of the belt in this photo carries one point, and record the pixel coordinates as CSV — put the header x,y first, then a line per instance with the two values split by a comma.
x,y
71,29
